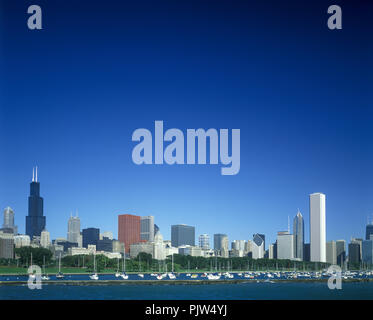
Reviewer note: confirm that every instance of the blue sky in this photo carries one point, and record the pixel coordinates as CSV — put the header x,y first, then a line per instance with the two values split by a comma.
x,y
73,93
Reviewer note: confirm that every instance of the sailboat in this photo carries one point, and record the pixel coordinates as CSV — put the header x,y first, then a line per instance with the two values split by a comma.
x,y
44,276
59,275
171,274
94,276
123,275
31,275
117,274
141,275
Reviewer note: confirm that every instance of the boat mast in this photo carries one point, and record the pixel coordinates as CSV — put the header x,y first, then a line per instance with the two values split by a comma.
x,y
124,260
59,263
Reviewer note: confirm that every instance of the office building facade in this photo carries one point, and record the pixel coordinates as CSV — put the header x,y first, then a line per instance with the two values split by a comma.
x,y
182,234
90,236
147,228
204,241
9,220
285,245
257,246
367,252
331,252
73,229
129,227
341,252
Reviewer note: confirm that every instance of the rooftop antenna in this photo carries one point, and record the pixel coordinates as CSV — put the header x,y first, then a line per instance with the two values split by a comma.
x,y
33,174
36,174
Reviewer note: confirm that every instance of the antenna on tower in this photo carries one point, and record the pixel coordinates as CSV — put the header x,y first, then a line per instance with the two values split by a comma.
x,y
36,174
33,174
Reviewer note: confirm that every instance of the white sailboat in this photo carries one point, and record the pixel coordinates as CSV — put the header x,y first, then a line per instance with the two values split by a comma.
x,y
59,275
171,274
44,276
141,275
31,275
94,276
117,274
123,275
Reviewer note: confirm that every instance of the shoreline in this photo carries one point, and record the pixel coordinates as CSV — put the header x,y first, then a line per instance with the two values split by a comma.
x,y
170,282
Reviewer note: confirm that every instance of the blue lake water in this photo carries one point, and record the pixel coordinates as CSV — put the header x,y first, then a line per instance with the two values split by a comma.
x,y
241,291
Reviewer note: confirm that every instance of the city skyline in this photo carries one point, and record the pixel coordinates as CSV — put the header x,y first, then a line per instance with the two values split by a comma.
x,y
35,190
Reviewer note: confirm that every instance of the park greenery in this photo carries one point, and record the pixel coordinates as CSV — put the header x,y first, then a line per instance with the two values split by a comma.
x,y
145,263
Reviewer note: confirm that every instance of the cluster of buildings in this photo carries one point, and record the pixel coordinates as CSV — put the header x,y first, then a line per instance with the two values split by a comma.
x,y
140,234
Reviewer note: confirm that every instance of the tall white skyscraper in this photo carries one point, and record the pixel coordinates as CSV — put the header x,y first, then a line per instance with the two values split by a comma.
x,y
73,229
317,227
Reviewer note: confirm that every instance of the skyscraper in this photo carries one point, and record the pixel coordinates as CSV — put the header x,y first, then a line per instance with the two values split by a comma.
x,y
354,252
45,240
204,241
263,237
331,252
73,229
9,220
219,241
285,245
6,245
298,232
317,227
221,244
182,234
360,243
368,252
306,252
128,229
35,221
341,252
257,247
369,231
90,236
147,228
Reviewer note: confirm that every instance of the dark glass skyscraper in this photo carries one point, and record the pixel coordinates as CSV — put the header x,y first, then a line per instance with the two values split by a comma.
x,y
90,236
35,220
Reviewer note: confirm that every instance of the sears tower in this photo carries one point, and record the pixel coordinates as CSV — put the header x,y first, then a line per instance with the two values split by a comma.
x,y
35,221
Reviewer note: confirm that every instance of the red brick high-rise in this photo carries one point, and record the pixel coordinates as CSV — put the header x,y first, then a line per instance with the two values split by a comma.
x,y
128,230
